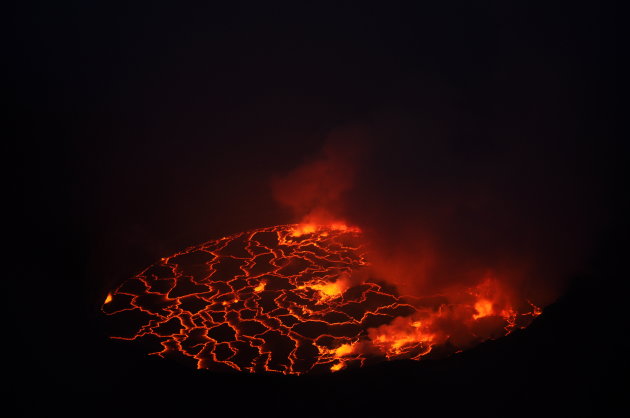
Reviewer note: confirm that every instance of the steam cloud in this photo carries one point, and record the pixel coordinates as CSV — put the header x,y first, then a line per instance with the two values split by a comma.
x,y
441,209
316,191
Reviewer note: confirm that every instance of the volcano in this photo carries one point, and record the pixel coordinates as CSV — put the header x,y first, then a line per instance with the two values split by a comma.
x,y
298,299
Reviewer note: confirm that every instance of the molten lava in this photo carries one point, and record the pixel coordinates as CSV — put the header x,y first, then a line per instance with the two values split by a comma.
x,y
295,299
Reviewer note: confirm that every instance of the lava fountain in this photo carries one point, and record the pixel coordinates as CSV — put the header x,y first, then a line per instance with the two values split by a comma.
x,y
298,299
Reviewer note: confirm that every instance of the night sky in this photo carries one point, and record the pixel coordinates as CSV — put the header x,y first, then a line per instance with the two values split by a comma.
x,y
138,130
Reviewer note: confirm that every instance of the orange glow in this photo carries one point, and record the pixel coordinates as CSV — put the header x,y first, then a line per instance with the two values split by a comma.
x,y
310,228
286,299
328,290
344,350
304,229
483,308
337,367
402,335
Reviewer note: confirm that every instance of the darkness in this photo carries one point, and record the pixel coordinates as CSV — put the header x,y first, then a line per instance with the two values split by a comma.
x,y
138,130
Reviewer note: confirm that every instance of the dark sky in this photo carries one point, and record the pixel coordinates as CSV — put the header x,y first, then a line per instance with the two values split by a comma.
x,y
138,130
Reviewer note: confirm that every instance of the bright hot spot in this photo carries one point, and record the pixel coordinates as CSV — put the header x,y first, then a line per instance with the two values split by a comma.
x,y
289,299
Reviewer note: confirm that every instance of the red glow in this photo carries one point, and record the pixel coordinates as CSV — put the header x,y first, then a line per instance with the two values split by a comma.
x,y
298,298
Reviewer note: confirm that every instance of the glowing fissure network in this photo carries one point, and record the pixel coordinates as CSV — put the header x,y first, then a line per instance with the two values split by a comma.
x,y
293,299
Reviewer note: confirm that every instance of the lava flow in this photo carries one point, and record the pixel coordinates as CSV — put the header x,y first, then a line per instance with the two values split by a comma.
x,y
299,298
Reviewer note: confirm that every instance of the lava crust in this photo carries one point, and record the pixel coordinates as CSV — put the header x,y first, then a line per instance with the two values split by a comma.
x,y
295,299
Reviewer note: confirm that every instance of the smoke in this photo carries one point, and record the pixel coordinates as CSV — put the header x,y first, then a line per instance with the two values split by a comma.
x,y
315,191
443,208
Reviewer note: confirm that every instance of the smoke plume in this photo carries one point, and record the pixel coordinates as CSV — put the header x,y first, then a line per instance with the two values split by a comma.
x,y
315,191
442,210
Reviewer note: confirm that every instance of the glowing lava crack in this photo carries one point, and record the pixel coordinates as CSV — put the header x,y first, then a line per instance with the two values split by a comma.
x,y
291,299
